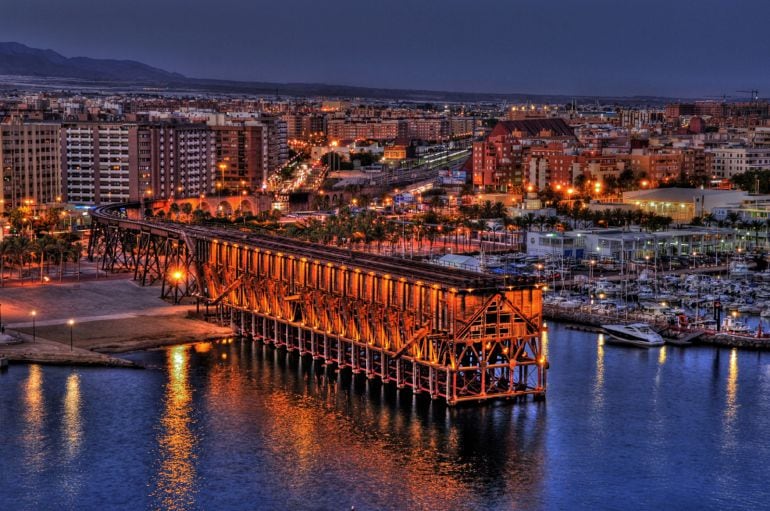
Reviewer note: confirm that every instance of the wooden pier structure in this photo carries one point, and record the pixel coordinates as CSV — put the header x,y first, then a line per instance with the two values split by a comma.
x,y
456,335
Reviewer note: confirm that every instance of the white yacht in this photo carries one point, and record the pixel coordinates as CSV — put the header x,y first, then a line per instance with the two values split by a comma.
x,y
635,334
739,268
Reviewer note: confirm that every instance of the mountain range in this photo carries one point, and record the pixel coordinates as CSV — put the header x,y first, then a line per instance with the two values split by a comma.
x,y
18,60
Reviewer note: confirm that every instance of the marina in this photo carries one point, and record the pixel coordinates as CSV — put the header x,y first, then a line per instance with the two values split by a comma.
x,y
724,305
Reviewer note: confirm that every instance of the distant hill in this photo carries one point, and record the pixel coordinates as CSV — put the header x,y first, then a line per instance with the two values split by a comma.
x,y
49,68
18,59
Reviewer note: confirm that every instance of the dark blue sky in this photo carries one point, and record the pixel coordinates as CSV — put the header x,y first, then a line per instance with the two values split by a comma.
x,y
623,47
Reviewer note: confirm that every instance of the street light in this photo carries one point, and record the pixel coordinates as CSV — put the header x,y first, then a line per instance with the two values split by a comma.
x,y
178,275
71,323
34,334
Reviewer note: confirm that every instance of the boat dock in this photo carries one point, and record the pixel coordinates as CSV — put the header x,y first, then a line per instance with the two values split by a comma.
x,y
592,322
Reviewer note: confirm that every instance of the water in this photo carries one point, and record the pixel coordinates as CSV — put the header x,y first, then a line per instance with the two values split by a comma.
x,y
239,426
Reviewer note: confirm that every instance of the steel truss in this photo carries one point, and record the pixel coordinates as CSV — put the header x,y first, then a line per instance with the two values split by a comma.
x,y
452,335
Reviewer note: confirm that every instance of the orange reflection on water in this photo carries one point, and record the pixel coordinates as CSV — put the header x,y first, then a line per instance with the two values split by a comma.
x,y
176,474
34,414
202,347
662,355
73,427
312,426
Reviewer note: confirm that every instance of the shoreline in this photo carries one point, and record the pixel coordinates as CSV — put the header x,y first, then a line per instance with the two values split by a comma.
x,y
50,352
109,317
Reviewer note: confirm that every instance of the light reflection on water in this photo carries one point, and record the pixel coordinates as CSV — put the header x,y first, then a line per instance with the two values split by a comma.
x,y
731,399
72,437
598,390
34,436
406,448
175,482
73,427
236,425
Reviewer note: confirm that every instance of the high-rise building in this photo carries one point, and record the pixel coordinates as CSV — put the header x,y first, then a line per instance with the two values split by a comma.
x,y
100,162
30,160
241,155
183,159
248,151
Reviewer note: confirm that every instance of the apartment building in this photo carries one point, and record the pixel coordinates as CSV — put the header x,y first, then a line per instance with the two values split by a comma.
x,y
342,129
248,149
729,161
183,160
498,160
30,160
100,162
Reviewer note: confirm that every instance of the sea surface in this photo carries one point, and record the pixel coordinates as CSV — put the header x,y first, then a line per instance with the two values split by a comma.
x,y
238,425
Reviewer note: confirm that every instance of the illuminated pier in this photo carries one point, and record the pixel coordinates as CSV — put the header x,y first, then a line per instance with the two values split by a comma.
x,y
454,334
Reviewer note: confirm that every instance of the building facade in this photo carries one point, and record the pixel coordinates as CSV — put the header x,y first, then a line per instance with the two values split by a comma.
x,y
30,160
100,162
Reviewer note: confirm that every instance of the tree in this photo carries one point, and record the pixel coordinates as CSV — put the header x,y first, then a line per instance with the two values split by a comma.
x,y
187,209
174,211
626,179
612,184
748,181
732,218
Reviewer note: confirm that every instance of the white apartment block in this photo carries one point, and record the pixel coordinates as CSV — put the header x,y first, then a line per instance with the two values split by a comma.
x,y
98,166
729,161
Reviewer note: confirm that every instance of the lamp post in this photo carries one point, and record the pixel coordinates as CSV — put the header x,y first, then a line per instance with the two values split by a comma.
x,y
243,213
34,334
71,323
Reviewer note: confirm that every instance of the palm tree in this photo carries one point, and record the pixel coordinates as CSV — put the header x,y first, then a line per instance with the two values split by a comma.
x,y
756,226
187,209
529,220
6,249
44,247
174,211
21,248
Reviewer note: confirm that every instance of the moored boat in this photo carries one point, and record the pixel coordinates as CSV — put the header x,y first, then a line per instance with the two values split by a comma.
x,y
635,334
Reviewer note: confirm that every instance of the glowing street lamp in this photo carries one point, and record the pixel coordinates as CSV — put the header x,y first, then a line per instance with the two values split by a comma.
x,y
177,277
34,333
71,324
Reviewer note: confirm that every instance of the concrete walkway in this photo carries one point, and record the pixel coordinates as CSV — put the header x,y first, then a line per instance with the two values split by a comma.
x,y
111,316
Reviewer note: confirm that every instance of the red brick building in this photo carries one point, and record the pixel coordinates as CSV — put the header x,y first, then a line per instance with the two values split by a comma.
x,y
499,160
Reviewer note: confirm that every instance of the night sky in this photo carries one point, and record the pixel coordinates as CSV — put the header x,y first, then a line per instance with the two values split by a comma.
x,y
603,47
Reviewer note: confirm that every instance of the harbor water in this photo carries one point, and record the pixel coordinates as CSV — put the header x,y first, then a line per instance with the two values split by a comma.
x,y
238,425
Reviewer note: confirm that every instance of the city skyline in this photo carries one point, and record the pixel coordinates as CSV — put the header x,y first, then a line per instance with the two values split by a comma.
x,y
599,47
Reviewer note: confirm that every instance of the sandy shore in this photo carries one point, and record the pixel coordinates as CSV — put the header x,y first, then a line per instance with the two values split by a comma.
x,y
110,316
